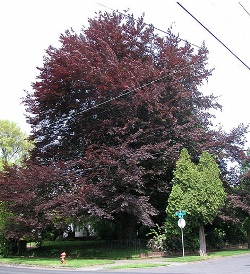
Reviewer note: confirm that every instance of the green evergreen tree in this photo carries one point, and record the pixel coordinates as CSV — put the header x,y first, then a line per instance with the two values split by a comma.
x,y
198,190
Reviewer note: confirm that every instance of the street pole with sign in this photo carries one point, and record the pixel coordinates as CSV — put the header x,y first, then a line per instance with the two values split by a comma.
x,y
181,224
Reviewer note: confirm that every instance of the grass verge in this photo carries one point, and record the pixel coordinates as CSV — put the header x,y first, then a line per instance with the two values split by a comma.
x,y
49,262
138,265
211,255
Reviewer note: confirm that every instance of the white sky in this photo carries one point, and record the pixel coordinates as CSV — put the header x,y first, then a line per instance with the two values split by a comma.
x,y
28,27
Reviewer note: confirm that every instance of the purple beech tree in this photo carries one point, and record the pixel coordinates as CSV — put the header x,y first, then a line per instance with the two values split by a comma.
x,y
118,102
40,196
238,209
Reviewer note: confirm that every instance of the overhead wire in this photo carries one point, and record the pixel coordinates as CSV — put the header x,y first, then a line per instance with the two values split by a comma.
x,y
108,101
213,35
121,95
149,133
67,119
244,8
66,139
124,93
130,17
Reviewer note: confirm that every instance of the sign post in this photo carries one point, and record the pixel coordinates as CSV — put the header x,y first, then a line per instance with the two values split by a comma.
x,y
181,224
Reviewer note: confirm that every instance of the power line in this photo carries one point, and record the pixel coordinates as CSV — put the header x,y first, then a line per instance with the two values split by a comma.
x,y
128,92
121,95
244,9
67,119
130,17
109,100
214,36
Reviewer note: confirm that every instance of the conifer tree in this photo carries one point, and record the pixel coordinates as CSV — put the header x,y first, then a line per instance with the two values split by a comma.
x,y
198,190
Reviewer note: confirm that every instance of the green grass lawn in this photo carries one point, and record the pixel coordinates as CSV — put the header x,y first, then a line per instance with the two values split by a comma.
x,y
83,253
211,255
54,262
82,249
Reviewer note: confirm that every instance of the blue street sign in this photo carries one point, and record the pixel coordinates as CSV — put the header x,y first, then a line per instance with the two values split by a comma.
x,y
180,213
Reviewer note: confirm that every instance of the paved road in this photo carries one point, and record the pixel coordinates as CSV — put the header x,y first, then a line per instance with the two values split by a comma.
x,y
229,265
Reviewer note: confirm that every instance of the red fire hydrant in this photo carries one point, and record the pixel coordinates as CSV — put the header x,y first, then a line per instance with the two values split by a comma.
x,y
63,258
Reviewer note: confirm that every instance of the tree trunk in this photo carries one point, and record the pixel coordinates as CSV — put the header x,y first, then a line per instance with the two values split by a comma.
x,y
126,227
247,227
248,238
203,248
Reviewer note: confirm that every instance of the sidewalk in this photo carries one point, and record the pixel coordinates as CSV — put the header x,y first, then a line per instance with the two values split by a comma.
x,y
152,261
